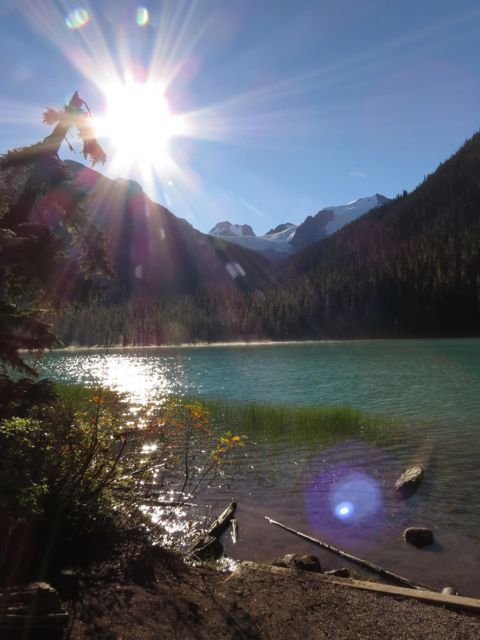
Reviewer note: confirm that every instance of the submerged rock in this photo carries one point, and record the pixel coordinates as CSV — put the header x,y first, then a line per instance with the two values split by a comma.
x,y
409,482
418,536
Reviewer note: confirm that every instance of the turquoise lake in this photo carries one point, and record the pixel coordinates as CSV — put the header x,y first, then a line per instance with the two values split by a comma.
x,y
432,387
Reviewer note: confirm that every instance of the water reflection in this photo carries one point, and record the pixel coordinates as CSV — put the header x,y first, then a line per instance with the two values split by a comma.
x,y
143,379
414,379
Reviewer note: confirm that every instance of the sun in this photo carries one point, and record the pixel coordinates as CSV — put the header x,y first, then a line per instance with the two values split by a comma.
x,y
139,123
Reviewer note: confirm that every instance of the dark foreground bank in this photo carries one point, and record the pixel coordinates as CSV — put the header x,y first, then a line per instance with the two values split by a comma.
x,y
150,598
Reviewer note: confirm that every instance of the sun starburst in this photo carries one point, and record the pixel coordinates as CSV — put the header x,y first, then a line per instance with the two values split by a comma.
x,y
139,123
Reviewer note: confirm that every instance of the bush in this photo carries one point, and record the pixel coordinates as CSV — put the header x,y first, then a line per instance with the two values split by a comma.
x,y
18,396
22,483
78,473
57,469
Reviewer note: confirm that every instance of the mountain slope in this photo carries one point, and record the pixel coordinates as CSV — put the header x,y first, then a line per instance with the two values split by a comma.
x,y
331,219
155,253
409,267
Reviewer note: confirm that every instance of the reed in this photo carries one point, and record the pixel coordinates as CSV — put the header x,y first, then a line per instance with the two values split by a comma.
x,y
301,425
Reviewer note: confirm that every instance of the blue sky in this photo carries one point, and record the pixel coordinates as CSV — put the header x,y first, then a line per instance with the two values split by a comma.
x,y
295,105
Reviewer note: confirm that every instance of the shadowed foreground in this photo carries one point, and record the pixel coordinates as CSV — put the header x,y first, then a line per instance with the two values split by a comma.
x,y
175,601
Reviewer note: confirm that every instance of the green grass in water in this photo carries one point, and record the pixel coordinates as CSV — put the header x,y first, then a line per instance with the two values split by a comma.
x,y
301,425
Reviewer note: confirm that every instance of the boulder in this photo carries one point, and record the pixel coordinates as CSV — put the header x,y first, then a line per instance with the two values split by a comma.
x,y
304,562
409,482
32,610
286,561
308,562
418,536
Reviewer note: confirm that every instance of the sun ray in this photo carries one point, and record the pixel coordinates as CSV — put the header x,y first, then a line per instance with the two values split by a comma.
x,y
88,52
140,125
19,112
176,42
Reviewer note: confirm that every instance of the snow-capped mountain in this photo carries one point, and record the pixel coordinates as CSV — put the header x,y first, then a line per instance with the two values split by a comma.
x,y
288,238
275,245
331,219
227,230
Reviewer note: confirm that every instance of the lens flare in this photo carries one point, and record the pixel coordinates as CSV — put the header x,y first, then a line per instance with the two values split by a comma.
x,y
356,497
344,510
77,18
345,496
142,17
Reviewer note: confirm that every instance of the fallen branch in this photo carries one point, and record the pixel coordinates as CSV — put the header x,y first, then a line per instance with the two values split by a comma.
x,y
234,530
348,556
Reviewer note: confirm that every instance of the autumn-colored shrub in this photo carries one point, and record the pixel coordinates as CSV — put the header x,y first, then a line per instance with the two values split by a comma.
x,y
86,465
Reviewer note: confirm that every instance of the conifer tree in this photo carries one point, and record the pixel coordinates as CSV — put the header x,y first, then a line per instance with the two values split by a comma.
x,y
50,252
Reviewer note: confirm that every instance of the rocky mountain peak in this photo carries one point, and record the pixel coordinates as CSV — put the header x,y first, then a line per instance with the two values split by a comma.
x,y
226,228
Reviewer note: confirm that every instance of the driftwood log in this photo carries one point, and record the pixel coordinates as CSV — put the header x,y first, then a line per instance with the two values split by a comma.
x,y
452,601
220,525
348,556
208,545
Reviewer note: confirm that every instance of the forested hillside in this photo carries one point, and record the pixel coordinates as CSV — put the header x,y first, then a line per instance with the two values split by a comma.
x,y
411,267
408,268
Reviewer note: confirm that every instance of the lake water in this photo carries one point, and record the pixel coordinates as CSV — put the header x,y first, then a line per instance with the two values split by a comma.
x,y
431,386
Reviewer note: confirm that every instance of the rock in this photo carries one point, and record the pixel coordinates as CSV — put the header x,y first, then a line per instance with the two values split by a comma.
x,y
31,610
286,561
305,562
409,482
343,572
418,536
207,548
449,591
308,562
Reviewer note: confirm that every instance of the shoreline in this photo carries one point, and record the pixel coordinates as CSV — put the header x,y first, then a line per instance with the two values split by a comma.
x,y
240,344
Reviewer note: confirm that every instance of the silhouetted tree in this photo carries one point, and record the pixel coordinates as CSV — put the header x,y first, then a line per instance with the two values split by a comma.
x,y
50,252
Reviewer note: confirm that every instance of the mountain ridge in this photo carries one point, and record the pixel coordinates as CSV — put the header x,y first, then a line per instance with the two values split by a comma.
x,y
288,238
